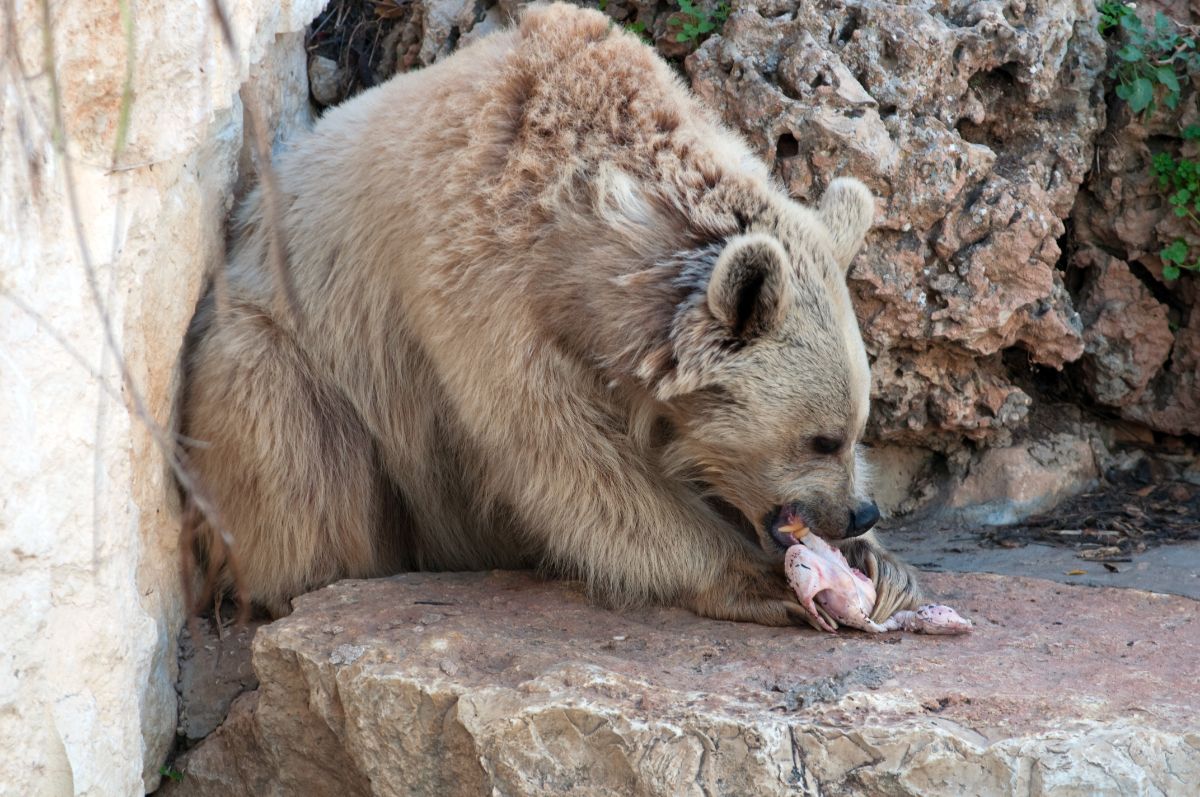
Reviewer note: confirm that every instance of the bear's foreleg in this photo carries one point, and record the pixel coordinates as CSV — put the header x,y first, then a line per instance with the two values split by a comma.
x,y
637,539
587,499
754,590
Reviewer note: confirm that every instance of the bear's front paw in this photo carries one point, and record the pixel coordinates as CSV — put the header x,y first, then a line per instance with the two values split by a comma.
x,y
755,590
896,585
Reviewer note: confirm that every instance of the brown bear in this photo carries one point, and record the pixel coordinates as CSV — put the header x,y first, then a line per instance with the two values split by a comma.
x,y
551,313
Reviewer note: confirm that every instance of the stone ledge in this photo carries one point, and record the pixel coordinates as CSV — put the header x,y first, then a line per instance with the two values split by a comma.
x,y
448,684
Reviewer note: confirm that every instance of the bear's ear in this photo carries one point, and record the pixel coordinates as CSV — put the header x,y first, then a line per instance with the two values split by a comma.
x,y
847,209
747,292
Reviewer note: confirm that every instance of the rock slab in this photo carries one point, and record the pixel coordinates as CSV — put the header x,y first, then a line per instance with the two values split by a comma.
x,y
498,683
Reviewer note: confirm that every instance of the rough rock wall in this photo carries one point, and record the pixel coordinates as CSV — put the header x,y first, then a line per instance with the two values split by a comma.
x,y
1142,333
88,533
973,122
985,128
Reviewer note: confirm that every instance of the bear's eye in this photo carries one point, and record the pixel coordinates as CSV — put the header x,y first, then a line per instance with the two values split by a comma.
x,y
827,445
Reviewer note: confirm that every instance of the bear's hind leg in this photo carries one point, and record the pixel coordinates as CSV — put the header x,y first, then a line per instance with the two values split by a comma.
x,y
284,458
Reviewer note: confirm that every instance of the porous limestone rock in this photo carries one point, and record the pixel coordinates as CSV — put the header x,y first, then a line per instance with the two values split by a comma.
x,y
1172,401
1005,484
974,123
474,684
1127,332
88,535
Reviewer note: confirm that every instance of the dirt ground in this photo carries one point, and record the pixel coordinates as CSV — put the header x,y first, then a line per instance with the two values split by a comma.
x,y
1108,524
1136,532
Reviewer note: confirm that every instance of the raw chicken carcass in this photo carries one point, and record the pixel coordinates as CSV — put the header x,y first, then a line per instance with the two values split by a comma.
x,y
820,575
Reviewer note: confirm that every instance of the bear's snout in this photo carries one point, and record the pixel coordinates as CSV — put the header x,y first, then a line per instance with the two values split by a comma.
x,y
787,524
862,519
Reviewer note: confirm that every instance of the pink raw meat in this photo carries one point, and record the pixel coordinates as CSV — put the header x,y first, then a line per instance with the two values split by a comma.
x,y
817,572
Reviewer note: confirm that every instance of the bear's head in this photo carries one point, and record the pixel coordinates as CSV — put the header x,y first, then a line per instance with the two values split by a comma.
x,y
660,253
769,386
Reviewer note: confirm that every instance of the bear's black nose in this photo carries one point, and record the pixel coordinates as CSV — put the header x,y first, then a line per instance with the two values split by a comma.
x,y
862,519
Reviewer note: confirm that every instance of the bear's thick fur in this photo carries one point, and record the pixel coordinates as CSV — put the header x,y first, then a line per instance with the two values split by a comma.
x,y
552,314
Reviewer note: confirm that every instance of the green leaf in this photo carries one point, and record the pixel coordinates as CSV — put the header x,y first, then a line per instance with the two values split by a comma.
x,y
1162,25
1141,95
1129,53
1111,14
1191,133
1123,91
1170,273
1166,76
1175,253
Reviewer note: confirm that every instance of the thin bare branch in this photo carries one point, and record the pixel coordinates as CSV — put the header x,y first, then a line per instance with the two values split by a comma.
x,y
286,298
127,84
174,456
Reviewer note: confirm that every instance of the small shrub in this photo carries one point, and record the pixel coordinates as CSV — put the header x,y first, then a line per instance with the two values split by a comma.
x,y
699,22
1179,179
1149,62
1148,69
171,772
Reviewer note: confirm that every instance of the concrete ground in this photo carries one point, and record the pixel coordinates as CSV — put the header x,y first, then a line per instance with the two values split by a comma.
x,y
1173,569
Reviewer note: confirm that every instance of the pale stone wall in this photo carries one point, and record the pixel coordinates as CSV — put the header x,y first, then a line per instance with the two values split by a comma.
x,y
88,529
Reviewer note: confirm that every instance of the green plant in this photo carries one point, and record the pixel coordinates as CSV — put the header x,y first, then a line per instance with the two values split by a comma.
x,y
698,22
168,771
1148,68
1149,62
1111,15
1180,179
